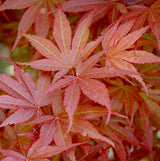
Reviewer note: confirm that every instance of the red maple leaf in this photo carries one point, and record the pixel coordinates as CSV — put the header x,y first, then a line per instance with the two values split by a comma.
x,y
60,124
141,12
67,57
36,13
144,14
120,55
37,152
103,7
117,132
21,94
83,80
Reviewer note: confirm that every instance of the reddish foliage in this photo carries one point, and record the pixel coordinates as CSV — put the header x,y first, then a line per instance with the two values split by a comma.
x,y
88,96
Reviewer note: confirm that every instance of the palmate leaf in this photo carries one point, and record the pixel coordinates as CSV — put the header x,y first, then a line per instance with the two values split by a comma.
x,y
117,55
122,95
120,134
36,13
151,104
61,122
143,14
21,95
84,127
124,134
68,56
83,81
119,147
38,152
57,130
88,87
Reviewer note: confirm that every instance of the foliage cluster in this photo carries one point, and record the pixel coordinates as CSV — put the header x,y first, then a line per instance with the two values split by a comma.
x,y
86,80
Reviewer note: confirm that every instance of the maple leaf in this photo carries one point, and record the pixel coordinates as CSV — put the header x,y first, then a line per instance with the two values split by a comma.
x,y
151,102
80,125
103,7
21,95
36,13
64,59
151,73
119,147
143,14
56,128
119,131
83,81
119,55
123,95
37,152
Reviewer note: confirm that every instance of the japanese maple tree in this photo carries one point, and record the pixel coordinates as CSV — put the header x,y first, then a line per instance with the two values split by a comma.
x,y
86,80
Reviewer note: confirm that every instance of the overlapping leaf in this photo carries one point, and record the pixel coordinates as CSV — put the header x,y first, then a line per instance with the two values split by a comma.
x,y
83,81
103,7
123,96
118,132
120,56
37,152
21,94
61,123
143,14
68,57
36,13
152,103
